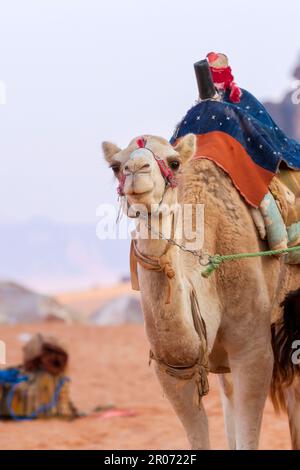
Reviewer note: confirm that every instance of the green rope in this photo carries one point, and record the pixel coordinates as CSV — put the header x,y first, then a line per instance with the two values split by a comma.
x,y
216,260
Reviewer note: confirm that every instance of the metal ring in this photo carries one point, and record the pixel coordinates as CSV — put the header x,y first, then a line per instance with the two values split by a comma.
x,y
204,259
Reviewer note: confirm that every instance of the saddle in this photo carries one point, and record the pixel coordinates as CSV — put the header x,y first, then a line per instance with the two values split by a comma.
x,y
285,188
280,213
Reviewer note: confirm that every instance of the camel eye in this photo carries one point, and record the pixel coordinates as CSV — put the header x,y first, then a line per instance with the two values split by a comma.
x,y
174,164
115,168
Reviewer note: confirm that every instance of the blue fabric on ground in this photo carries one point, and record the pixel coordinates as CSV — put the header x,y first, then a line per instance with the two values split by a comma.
x,y
12,376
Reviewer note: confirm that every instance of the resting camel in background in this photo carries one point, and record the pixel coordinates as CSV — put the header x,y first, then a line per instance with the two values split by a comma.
x,y
237,303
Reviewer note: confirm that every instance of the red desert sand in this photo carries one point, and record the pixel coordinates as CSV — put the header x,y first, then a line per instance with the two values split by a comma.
x,y
109,365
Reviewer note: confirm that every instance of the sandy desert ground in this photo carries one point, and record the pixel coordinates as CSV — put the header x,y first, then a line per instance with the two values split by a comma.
x,y
109,365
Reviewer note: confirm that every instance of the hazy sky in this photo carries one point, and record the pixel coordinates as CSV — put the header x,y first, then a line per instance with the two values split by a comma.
x,y
81,71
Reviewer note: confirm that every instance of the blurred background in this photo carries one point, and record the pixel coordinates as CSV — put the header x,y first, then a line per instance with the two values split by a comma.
x,y
72,74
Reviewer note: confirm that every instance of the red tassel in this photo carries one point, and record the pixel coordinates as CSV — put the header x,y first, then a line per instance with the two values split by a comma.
x,y
141,142
235,93
212,57
222,75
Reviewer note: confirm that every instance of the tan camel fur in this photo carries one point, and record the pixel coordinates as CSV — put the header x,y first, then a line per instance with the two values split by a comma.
x,y
237,303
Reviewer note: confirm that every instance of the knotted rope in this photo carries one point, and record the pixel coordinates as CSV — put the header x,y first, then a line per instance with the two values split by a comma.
x,y
153,263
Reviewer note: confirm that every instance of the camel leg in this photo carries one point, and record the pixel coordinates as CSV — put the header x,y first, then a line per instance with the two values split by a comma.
x,y
226,383
292,396
252,372
181,394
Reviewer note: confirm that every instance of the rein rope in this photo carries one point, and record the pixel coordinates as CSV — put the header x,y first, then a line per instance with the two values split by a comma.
x,y
216,260
213,262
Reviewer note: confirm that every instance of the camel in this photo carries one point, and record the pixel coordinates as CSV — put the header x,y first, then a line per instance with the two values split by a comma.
x,y
237,303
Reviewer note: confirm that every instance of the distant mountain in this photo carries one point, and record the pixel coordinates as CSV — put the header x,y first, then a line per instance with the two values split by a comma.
x,y
286,113
21,305
52,257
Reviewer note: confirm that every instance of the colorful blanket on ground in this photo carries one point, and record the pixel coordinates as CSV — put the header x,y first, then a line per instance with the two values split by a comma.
x,y
28,395
242,139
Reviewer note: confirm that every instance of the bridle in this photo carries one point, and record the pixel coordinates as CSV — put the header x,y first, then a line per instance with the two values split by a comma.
x,y
170,182
166,172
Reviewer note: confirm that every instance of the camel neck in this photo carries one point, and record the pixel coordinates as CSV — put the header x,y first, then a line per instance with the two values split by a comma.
x,y
149,240
151,233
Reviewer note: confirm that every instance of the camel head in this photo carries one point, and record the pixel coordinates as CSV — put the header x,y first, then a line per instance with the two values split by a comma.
x,y
148,169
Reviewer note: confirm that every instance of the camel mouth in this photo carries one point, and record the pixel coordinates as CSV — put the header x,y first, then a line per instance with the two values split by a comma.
x,y
137,194
138,186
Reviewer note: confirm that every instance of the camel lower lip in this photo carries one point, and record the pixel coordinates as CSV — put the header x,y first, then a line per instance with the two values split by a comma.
x,y
133,193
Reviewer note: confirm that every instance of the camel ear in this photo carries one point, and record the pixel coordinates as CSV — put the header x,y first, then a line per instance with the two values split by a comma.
x,y
186,147
109,150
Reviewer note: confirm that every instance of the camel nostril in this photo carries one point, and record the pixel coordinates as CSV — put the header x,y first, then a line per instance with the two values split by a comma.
x,y
136,168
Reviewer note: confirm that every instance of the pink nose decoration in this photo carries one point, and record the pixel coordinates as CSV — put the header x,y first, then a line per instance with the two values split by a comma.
x,y
120,188
141,142
166,172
